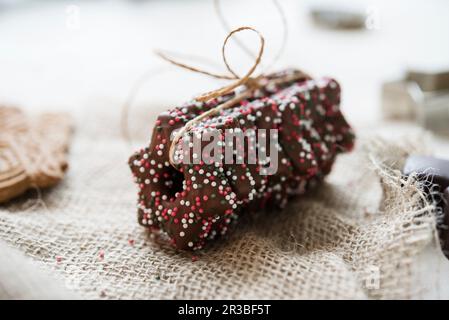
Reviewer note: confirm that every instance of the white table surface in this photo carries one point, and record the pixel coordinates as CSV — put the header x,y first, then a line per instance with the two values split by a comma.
x,y
50,60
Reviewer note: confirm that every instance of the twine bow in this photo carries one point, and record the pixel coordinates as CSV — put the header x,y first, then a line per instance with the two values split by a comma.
x,y
251,83
246,79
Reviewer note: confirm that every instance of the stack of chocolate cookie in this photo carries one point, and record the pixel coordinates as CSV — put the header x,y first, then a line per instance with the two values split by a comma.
x,y
200,198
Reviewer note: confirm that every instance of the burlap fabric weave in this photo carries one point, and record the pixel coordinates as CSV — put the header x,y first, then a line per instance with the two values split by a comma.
x,y
355,236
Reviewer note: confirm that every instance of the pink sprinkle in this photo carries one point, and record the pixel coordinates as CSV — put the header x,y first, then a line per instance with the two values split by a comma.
x,y
101,254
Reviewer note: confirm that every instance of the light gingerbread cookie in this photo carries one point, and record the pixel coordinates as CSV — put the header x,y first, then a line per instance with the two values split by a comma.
x,y
33,150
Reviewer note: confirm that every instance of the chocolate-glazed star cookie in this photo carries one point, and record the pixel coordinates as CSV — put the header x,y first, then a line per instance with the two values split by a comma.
x,y
202,197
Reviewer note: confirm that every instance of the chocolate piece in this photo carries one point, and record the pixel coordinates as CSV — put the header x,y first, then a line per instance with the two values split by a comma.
x,y
444,227
429,167
202,200
436,171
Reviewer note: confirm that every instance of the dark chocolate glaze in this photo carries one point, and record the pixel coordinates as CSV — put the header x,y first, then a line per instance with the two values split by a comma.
x,y
202,200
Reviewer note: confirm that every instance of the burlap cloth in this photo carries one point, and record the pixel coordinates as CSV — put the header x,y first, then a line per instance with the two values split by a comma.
x,y
356,236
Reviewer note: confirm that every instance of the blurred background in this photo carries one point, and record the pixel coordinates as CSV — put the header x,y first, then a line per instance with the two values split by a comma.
x,y
71,55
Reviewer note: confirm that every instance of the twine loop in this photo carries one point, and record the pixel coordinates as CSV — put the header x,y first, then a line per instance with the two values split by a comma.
x,y
247,79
